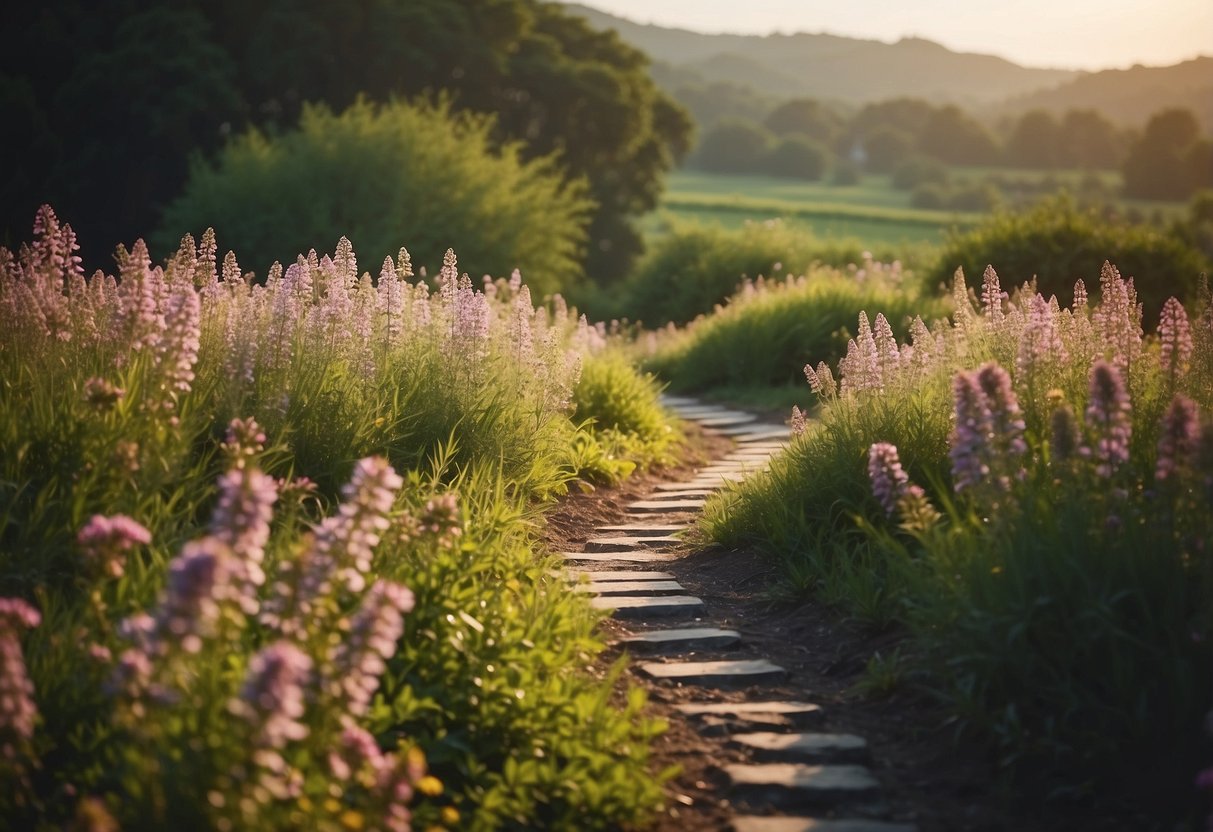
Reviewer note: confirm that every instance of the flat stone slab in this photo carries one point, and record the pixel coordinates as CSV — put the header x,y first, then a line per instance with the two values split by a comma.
x,y
691,411
634,587
801,713
634,556
660,506
623,575
737,673
801,748
726,420
677,640
675,487
787,785
751,823
761,456
683,494
763,436
657,606
644,529
677,401
626,544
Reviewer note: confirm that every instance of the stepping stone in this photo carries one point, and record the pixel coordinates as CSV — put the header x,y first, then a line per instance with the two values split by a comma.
x,y
634,556
726,420
751,458
678,401
801,748
706,410
798,713
623,575
662,506
691,638
751,823
789,785
676,487
684,494
633,587
769,433
738,673
632,606
626,544
645,529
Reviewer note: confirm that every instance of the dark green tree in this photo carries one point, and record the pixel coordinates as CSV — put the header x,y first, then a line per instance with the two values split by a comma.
x,y
734,146
885,147
1035,141
797,157
1090,141
132,88
954,137
805,117
1164,163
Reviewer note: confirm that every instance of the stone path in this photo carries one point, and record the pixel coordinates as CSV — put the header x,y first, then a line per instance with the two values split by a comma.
x,y
795,779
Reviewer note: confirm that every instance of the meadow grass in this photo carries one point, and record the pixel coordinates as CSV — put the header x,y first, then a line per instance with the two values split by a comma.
x,y
1023,490
271,550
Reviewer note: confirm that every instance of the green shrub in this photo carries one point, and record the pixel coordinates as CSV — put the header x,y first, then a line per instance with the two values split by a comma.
x,y
695,267
1057,243
416,173
797,157
919,170
766,333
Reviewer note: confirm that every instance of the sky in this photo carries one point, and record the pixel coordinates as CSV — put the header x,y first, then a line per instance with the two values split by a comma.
x,y
1063,34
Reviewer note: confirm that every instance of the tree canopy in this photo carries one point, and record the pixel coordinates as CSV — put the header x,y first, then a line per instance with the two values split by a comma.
x,y
132,90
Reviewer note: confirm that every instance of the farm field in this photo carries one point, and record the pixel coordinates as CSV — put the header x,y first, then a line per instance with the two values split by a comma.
x,y
871,211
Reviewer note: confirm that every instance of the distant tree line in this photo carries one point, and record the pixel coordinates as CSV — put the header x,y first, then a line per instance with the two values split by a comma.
x,y
916,140
107,104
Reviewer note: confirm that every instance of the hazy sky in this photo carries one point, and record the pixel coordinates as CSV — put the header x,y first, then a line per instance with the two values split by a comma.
x,y
1072,34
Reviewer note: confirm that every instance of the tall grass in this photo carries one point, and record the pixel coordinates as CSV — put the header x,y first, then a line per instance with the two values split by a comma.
x,y
278,541
770,329
1025,489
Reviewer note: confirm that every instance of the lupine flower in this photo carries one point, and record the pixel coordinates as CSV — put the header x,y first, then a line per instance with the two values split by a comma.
x,y
1117,319
177,348
1177,442
1039,341
915,509
1063,434
1006,419
244,439
992,296
889,481
18,713
821,380
241,519
968,444
199,588
361,657
799,423
1174,338
102,394
272,701
388,778
1108,419
106,540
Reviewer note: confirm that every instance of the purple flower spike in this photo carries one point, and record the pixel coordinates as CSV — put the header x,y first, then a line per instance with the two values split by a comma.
x,y
1108,417
889,481
1179,437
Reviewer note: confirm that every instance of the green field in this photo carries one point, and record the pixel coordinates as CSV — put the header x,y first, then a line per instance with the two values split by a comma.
x,y
871,211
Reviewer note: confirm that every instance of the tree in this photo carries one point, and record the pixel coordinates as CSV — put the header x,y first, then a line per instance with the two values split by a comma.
x,y
797,157
553,82
1164,162
885,147
734,146
1090,141
804,117
1035,141
954,137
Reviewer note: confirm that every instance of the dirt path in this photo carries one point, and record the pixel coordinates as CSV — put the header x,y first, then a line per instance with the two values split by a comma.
x,y
769,728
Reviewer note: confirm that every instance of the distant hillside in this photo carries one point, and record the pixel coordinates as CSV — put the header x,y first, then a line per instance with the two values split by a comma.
x,y
833,67
1131,96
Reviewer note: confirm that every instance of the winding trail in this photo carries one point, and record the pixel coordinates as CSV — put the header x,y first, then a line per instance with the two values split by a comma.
x,y
778,770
